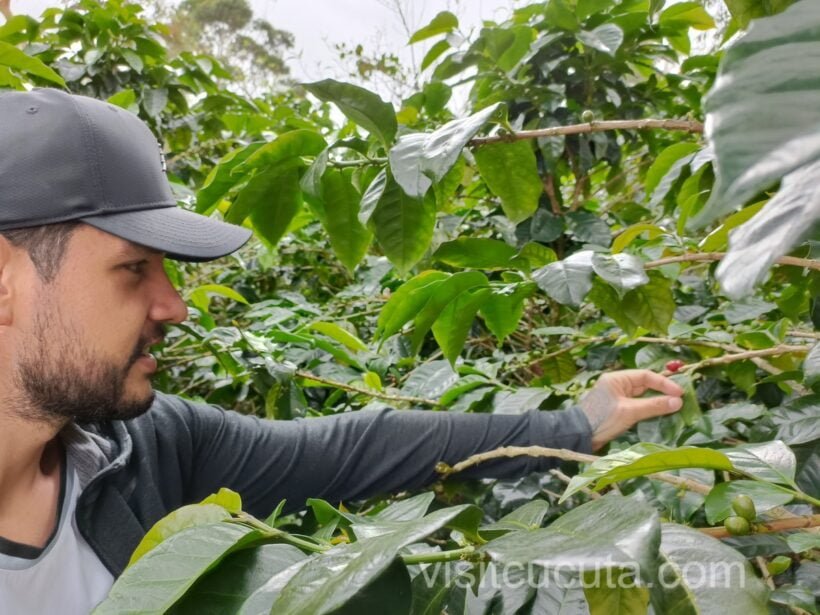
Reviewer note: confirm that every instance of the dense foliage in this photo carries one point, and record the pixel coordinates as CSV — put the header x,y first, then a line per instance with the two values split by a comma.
x,y
498,261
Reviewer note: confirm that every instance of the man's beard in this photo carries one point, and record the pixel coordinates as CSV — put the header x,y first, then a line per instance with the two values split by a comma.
x,y
59,378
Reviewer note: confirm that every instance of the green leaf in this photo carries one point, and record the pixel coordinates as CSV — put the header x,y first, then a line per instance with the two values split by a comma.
x,y
502,311
762,111
559,368
442,23
721,582
642,459
629,234
743,11
686,14
476,253
154,101
690,412
623,271
227,499
221,178
419,159
811,366
718,504
780,225
528,517
664,164
17,60
340,218
430,380
126,99
407,301
567,281
342,336
772,462
509,169
519,401
606,38
652,305
453,325
271,200
445,293
611,532
187,516
798,421
290,145
226,589
718,240
163,575
360,106
403,225
200,295
433,54
331,579
626,598
800,542
436,96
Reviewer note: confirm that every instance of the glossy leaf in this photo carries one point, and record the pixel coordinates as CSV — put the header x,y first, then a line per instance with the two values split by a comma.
x,y
164,574
780,225
502,311
442,23
623,271
761,111
770,461
510,172
226,589
476,253
329,580
402,225
642,459
765,496
340,218
222,178
290,145
17,60
444,294
567,281
606,38
407,301
612,532
722,582
419,159
360,105
453,325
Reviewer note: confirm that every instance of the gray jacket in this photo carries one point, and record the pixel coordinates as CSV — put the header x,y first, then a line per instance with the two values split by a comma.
x,y
135,472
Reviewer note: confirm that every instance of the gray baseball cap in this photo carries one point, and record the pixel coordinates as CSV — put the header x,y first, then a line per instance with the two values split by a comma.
x,y
65,157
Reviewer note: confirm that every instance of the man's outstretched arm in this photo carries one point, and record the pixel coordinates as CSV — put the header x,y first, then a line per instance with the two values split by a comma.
x,y
361,454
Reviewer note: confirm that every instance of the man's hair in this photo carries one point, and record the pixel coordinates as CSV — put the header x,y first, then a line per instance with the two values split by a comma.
x,y
46,245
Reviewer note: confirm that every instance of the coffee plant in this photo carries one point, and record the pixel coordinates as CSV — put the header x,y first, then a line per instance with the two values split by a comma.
x,y
610,199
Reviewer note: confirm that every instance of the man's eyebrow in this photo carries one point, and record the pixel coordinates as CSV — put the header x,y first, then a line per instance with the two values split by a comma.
x,y
134,251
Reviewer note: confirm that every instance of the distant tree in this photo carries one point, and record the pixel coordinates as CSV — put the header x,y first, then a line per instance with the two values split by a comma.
x,y
250,47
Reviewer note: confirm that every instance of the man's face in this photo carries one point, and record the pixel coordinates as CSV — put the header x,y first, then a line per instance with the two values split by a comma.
x,y
83,342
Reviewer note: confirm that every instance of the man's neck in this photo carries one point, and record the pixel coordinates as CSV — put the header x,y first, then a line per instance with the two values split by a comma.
x,y
30,452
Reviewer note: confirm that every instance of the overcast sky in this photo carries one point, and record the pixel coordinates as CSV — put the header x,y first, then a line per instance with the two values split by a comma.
x,y
318,24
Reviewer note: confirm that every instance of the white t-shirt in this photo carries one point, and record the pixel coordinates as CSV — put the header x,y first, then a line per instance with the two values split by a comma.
x,y
64,577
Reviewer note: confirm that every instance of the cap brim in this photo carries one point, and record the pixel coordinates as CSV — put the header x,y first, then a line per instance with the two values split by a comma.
x,y
181,234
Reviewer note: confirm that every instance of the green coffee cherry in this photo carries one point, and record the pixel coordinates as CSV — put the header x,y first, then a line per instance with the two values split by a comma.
x,y
744,507
737,526
779,565
587,116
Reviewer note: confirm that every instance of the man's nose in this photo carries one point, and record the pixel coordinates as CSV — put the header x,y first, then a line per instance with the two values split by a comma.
x,y
168,305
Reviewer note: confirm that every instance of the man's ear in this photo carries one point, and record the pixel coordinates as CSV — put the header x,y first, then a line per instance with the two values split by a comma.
x,y
6,299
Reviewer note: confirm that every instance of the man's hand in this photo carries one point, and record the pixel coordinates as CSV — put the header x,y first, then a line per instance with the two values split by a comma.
x,y
611,407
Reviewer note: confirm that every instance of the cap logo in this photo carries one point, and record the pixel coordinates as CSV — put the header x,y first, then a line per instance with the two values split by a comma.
x,y
162,158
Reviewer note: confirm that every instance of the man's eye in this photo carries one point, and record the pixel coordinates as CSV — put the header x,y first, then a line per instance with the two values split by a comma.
x,y
135,268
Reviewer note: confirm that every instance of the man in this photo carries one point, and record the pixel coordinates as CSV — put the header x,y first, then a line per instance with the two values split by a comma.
x,y
90,457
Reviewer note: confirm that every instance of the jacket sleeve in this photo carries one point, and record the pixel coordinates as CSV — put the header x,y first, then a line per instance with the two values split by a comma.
x,y
358,454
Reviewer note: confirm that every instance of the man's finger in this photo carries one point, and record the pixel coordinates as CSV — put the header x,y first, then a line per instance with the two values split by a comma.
x,y
640,409
643,379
